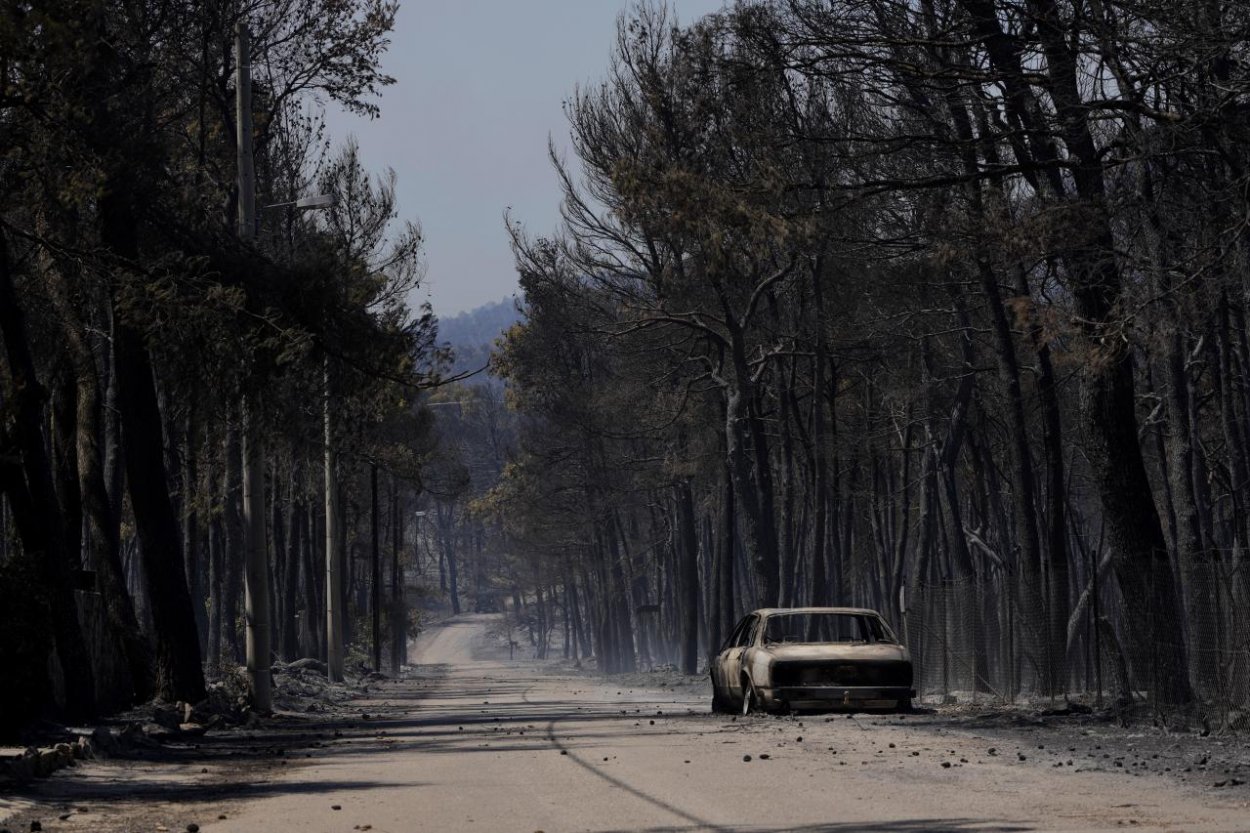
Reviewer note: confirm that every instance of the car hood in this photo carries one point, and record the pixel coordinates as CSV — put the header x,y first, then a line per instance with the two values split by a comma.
x,y
813,652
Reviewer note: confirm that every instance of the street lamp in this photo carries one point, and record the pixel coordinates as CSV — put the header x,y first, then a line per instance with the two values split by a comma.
x,y
318,201
304,203
301,204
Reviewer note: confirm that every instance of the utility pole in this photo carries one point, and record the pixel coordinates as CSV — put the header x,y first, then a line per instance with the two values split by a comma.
x,y
334,564
376,600
399,617
256,603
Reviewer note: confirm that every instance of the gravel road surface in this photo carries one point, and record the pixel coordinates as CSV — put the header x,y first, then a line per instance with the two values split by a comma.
x,y
474,742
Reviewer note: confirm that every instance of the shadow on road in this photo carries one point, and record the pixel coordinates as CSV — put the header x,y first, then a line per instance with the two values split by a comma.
x,y
102,791
905,826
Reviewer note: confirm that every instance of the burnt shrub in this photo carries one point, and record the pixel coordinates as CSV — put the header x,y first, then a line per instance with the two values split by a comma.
x,y
25,645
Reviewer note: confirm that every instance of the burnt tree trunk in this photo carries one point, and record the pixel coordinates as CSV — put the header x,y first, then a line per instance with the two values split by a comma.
x,y
232,542
688,570
40,528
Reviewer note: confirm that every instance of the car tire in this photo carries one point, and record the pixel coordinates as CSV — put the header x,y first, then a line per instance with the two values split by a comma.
x,y
719,704
750,700
905,706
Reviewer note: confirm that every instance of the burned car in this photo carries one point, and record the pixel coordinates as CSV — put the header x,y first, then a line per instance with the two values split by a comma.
x,y
779,659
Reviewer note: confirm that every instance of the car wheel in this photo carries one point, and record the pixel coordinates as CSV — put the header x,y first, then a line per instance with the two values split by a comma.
x,y
905,706
719,704
750,700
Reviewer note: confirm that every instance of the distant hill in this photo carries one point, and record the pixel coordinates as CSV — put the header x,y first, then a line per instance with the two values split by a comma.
x,y
471,334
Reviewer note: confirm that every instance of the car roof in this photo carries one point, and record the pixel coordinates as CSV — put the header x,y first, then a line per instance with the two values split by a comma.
x,y
772,611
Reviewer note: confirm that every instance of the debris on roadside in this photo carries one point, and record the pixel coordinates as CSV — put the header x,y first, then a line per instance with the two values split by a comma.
x,y
300,686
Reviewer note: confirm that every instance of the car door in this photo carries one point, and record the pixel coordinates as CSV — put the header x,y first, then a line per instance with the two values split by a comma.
x,y
731,658
719,677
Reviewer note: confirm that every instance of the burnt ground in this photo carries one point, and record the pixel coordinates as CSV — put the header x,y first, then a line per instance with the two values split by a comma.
x,y
1133,740
1136,745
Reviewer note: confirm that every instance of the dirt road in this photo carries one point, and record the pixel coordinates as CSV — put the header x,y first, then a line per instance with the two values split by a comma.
x,y
477,743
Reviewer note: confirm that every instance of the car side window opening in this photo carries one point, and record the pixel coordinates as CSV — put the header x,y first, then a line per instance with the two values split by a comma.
x,y
878,630
887,634
751,633
747,637
736,636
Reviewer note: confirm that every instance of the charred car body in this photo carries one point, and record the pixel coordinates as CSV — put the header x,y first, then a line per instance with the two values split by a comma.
x,y
811,658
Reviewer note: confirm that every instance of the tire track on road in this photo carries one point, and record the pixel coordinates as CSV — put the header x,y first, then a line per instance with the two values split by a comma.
x,y
619,783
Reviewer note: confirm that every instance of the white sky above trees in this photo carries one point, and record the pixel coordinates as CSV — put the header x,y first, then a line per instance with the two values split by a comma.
x,y
479,87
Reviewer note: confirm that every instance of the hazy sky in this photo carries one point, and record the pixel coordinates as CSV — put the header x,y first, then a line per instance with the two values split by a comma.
x,y
479,86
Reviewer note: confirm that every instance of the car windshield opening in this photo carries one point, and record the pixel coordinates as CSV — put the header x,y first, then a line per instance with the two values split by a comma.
x,y
823,627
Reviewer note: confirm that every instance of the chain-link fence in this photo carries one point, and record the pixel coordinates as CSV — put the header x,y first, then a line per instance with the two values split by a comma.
x,y
999,638
964,642
1217,639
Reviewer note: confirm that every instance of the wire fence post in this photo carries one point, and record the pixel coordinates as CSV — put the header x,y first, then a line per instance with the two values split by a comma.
x,y
946,641
1097,633
1012,657
1089,638
1154,645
